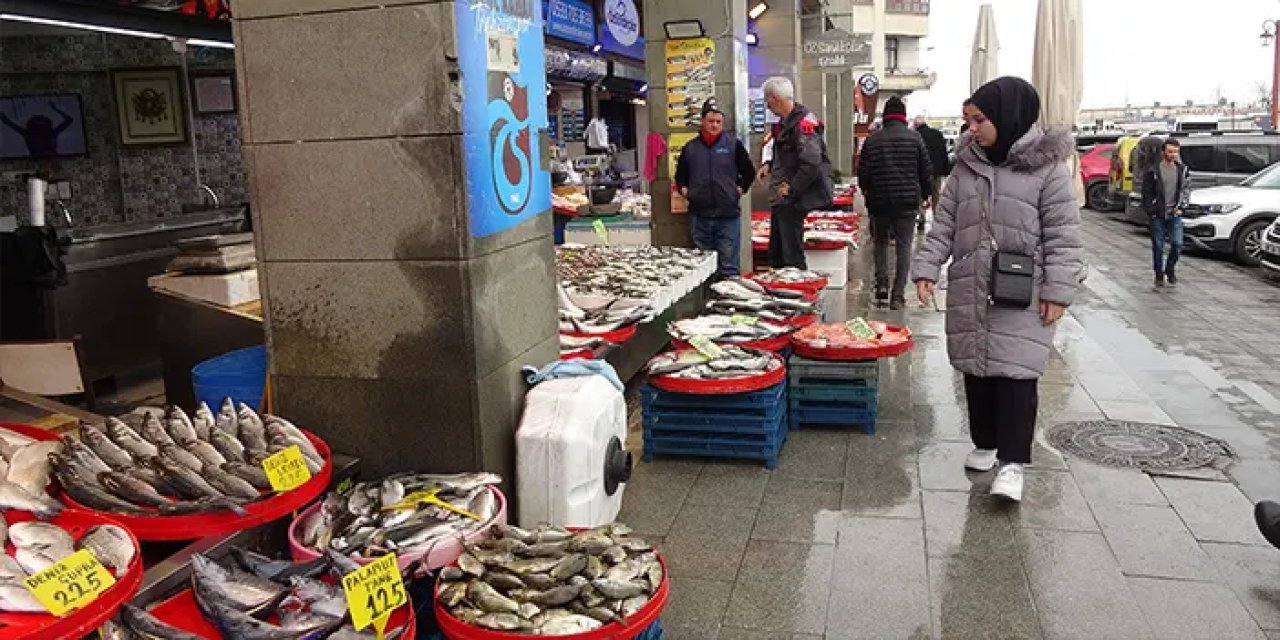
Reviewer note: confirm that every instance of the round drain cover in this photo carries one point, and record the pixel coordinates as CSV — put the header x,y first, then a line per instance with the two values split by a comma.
x,y
1137,445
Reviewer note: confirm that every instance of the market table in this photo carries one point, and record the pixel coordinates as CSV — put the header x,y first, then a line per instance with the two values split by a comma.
x,y
221,330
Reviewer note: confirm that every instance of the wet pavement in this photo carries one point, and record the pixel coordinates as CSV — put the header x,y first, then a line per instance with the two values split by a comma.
x,y
886,536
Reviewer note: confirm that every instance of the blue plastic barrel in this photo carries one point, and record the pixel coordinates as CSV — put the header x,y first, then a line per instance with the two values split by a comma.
x,y
239,375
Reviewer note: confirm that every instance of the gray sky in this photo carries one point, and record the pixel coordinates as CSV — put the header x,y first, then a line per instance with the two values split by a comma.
x,y
1150,50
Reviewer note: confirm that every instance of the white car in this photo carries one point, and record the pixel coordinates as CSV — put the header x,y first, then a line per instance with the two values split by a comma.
x,y
1271,248
1232,219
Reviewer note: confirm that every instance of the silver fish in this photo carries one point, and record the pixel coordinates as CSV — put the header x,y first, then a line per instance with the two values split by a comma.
x,y
14,497
186,481
111,545
253,474
110,452
30,467
216,583
487,598
227,444
568,624
229,484
203,421
252,432
275,425
77,452
618,590
150,627
32,534
16,598
242,626
280,443
126,438
83,487
181,456
178,425
153,431
33,560
10,570
226,420
502,621
319,596
208,455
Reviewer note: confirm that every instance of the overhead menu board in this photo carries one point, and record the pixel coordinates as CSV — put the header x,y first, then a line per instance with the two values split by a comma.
x,y
690,80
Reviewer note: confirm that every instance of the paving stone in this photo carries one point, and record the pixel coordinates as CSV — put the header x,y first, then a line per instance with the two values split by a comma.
x,y
882,486
738,633
1078,588
803,492
651,501
943,422
782,587
1252,574
1135,411
730,484
708,541
1151,540
965,523
1177,609
982,596
879,586
697,603
1108,485
1051,500
814,454
807,523
942,468
1214,511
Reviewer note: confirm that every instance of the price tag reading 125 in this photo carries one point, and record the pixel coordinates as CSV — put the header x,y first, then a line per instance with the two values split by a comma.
x,y
286,469
71,583
373,592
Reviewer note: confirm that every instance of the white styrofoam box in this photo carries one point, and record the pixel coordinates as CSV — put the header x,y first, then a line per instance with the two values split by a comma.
x,y
225,289
833,263
563,449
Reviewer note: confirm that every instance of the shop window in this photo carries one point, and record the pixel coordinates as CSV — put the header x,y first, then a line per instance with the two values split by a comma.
x,y
891,54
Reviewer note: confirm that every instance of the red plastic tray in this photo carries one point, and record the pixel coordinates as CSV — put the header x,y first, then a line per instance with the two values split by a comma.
x,y
586,354
776,343
824,245
30,431
617,336
803,350
810,286
43,626
199,525
455,629
803,321
720,387
183,612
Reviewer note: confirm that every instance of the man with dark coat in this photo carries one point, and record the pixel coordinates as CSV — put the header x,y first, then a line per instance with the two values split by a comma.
x,y
937,146
799,176
1164,192
713,172
895,176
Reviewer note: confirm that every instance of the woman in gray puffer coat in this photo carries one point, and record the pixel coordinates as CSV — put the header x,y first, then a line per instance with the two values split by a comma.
x,y
1010,191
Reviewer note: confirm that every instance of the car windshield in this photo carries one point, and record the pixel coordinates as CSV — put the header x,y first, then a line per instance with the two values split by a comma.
x,y
1268,178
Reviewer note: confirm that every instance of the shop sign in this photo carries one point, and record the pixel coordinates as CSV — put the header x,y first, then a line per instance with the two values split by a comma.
x,y
838,49
620,29
690,67
504,112
571,20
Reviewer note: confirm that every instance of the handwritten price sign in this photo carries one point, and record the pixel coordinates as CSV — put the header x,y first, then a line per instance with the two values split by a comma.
x,y
71,583
287,469
373,592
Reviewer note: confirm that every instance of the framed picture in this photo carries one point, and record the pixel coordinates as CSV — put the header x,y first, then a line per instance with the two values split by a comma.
x,y
42,126
213,92
149,105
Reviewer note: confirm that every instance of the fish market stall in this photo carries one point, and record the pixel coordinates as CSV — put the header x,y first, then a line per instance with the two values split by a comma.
x,y
829,236
622,229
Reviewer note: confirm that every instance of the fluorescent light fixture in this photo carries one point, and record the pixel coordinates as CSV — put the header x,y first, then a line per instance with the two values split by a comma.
x,y
680,29
752,38
595,48
13,17
758,10
644,87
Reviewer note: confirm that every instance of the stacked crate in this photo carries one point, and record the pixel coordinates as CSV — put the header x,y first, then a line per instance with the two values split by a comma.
x,y
741,425
824,392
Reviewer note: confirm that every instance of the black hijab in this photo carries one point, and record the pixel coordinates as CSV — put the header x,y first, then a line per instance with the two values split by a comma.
x,y
1013,106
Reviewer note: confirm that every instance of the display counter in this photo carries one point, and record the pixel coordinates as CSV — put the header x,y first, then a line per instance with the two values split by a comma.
x,y
190,331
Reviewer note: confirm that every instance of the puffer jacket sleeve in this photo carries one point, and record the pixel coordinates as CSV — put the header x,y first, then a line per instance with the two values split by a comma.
x,y
1060,235
937,245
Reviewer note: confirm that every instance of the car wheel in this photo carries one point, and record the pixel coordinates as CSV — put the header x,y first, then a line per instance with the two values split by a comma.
x,y
1099,199
1248,244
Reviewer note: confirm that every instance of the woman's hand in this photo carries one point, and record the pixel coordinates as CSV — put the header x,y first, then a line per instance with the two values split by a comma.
x,y
924,290
1051,312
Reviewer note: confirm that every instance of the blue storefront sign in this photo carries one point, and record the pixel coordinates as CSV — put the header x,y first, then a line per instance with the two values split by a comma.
x,y
620,29
504,107
571,20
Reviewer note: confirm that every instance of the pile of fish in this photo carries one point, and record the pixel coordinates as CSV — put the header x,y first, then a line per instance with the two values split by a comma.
x,y
241,596
550,581
725,329
731,362
573,344
636,272
611,316
788,275
179,465
25,472
740,296
38,545
371,519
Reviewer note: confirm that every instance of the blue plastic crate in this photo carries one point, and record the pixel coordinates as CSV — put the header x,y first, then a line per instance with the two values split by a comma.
x,y
763,434
843,417
858,370
834,392
754,421
657,398
759,445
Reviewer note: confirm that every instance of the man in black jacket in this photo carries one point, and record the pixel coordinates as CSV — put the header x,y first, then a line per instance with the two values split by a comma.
x,y
937,147
895,176
713,172
799,176
1164,192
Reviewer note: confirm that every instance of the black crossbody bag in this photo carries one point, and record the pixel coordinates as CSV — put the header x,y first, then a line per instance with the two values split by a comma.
x,y
1012,275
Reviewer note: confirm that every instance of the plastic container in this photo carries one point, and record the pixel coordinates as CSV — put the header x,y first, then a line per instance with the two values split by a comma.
x,y
803,349
444,553
722,386
200,525
77,624
833,263
182,611
239,375
571,453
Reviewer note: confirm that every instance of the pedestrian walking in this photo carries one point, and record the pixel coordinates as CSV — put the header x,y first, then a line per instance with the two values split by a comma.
x,y
895,177
799,174
1009,222
936,143
712,173
1164,193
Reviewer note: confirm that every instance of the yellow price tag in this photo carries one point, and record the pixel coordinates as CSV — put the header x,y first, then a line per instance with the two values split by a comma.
x,y
71,583
706,347
749,321
286,469
601,230
429,497
373,592
861,329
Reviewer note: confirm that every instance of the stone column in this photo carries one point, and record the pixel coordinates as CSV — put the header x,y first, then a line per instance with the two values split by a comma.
x,y
396,320
729,31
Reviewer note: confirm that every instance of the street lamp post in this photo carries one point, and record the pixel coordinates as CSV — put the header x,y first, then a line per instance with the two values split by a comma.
x,y
1269,29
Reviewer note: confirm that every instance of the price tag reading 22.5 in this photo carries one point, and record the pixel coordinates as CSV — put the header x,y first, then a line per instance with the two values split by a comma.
x,y
373,592
286,469
71,583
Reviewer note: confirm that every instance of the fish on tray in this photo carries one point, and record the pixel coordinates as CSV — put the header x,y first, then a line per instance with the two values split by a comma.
x,y
38,545
732,362
855,334
723,328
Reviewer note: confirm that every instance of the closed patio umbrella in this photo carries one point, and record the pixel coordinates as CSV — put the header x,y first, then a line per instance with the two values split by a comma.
x,y
984,61
1057,67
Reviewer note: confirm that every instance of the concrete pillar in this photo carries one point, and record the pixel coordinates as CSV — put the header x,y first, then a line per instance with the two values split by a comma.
x,y
726,24
396,325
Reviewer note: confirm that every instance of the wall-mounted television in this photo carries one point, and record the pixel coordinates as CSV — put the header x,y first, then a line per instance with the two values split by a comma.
x,y
42,126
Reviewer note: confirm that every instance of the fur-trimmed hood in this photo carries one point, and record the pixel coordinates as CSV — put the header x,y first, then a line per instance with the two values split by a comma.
x,y
1035,149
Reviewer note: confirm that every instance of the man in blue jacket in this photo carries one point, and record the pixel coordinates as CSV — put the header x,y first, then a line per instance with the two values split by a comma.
x,y
713,172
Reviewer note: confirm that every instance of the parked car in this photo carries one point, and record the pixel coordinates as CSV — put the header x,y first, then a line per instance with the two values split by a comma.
x,y
1086,140
1271,248
1216,158
1095,171
1143,156
1120,178
1231,219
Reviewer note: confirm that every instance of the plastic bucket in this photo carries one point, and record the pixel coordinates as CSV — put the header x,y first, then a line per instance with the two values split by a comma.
x,y
239,375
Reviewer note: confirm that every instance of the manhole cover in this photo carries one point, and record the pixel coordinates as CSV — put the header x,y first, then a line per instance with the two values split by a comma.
x,y
1137,445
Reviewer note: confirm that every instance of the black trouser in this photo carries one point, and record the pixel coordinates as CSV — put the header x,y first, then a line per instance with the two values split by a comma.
x,y
786,237
1002,415
902,227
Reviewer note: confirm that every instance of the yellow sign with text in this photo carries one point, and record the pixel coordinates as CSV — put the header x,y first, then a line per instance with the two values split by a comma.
x,y
71,583
601,231
287,469
373,592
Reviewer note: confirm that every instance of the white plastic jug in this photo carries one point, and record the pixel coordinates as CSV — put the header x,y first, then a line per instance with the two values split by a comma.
x,y
571,457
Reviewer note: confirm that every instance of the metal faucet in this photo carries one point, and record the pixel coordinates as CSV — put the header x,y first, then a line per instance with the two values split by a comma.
x,y
66,213
216,203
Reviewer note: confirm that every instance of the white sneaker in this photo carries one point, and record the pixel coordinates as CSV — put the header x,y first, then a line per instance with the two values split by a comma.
x,y
980,460
1008,482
